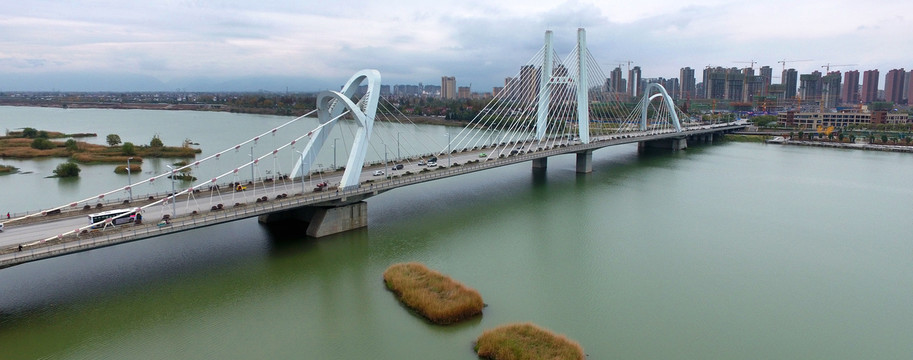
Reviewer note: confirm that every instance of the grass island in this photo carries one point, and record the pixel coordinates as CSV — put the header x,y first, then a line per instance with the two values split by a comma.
x,y
433,295
526,341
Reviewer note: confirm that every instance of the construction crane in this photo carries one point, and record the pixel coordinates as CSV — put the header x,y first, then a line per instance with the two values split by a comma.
x,y
784,61
828,66
629,62
752,62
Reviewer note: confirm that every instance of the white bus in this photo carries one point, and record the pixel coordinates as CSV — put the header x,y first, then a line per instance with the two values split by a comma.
x,y
100,217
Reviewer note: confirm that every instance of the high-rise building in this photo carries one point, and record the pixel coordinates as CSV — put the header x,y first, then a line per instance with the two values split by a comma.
x,y
810,86
906,87
464,92
529,84
673,88
448,87
752,85
849,93
634,82
735,85
616,82
686,79
766,75
789,79
893,85
715,83
830,89
869,86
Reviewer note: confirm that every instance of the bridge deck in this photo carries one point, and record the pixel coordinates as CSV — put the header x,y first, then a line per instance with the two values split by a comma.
x,y
10,256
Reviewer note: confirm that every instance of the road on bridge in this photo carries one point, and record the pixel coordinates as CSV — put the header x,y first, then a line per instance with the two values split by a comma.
x,y
26,233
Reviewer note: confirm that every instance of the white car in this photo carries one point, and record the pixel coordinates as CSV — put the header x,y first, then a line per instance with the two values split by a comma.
x,y
432,164
378,172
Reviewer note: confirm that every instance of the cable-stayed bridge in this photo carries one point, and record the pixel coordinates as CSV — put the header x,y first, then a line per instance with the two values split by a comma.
x,y
553,106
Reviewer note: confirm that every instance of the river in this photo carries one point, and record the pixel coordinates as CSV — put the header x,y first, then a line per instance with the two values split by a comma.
x,y
732,251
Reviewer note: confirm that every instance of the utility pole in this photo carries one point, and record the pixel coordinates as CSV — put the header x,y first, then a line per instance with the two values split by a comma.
x,y
174,212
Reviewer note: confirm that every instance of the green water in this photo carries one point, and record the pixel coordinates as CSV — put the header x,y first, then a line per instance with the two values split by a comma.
x,y
732,251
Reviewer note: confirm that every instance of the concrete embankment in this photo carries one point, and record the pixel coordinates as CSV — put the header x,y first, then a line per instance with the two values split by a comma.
x,y
838,145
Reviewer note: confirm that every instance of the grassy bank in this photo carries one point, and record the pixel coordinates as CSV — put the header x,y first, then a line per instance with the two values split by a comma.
x,y
435,296
526,341
746,138
122,169
49,135
6,169
85,153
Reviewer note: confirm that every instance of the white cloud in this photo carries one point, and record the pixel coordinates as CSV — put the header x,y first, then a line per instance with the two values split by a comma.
x,y
412,41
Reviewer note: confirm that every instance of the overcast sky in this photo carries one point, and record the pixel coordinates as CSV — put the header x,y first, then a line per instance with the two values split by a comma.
x,y
199,45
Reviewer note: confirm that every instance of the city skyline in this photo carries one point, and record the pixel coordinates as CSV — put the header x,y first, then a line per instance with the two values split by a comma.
x,y
278,45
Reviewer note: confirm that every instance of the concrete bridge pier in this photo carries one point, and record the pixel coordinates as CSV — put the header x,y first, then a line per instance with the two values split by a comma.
x,y
540,163
585,162
673,144
324,220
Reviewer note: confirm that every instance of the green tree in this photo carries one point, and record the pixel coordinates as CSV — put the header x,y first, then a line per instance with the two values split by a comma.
x,y
128,148
113,139
42,144
29,133
884,139
156,142
43,134
71,145
881,106
67,169
764,120
840,137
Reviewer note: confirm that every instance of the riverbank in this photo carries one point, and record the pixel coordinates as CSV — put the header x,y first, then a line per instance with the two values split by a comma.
x,y
425,120
6,169
841,145
90,153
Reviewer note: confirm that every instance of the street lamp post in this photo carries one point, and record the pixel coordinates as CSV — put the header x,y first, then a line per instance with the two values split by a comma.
x,y
252,166
129,182
174,212
398,157
385,162
448,149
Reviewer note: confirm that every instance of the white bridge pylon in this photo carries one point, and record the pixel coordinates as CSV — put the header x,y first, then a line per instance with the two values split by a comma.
x,y
330,107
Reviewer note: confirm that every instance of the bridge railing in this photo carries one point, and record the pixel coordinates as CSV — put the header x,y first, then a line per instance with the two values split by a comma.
x,y
206,218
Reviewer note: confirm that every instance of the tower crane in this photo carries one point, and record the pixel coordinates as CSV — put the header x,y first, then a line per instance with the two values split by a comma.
x,y
784,61
827,67
752,62
629,62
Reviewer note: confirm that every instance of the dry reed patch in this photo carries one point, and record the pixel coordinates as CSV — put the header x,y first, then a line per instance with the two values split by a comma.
x,y
526,342
435,296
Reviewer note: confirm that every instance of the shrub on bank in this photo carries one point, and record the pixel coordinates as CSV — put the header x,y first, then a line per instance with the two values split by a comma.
x,y
42,144
433,295
526,341
122,169
67,169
